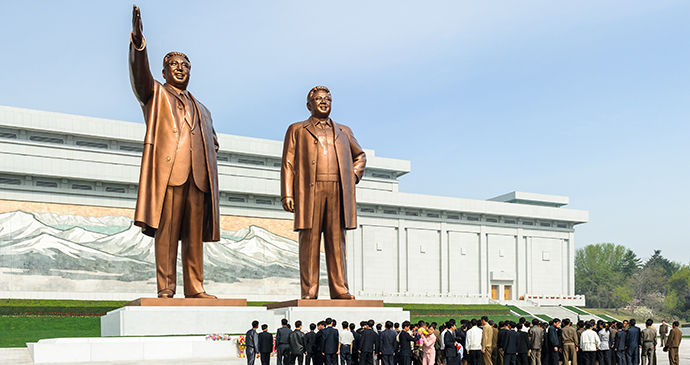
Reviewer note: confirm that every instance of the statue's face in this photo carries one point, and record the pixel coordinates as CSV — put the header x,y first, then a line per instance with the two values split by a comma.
x,y
176,72
320,105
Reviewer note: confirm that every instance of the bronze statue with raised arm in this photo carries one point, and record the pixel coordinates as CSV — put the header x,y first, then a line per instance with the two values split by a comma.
x,y
178,184
322,162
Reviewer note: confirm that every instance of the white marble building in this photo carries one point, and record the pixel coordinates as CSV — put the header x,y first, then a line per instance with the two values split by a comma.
x,y
508,247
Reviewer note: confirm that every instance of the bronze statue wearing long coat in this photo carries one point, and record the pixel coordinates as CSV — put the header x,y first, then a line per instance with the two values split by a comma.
x,y
178,183
164,113
322,162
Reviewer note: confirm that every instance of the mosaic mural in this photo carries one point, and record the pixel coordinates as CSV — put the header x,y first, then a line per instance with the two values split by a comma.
x,y
43,247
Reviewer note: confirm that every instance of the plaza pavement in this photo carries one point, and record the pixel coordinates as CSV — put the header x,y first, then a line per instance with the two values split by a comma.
x,y
20,356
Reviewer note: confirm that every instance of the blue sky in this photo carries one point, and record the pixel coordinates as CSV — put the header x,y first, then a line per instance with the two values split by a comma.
x,y
586,99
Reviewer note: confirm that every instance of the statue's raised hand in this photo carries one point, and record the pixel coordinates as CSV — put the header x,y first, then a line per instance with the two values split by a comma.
x,y
137,25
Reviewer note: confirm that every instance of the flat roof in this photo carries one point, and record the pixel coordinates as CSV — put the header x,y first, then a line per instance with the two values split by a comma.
x,y
520,197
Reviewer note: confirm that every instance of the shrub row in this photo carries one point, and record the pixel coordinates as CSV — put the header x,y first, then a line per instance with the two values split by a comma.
x,y
55,311
57,307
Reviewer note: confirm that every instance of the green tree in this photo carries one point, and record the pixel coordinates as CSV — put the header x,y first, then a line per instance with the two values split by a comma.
x,y
678,287
667,266
602,272
648,287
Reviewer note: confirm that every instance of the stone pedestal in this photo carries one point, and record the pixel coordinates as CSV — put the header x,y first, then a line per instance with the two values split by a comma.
x,y
133,349
327,303
186,302
182,320
161,317
152,317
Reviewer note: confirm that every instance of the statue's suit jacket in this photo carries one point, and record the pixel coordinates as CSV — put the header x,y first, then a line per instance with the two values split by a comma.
x,y
298,172
164,113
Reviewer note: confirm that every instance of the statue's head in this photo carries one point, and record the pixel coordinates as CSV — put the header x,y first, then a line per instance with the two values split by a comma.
x,y
176,68
319,102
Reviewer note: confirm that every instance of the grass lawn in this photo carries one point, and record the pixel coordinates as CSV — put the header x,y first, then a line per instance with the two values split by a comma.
x,y
607,318
443,319
576,310
619,314
16,331
544,317
517,310
441,313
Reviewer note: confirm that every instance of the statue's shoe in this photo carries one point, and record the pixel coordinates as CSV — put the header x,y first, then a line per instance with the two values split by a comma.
x,y
308,297
344,296
167,293
202,295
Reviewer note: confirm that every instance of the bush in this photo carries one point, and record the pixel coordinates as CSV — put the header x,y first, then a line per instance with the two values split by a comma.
x,y
10,307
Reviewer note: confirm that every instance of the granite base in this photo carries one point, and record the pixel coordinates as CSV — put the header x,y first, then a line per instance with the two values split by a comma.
x,y
76,350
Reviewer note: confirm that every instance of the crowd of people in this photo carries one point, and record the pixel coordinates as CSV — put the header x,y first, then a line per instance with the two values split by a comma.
x,y
469,342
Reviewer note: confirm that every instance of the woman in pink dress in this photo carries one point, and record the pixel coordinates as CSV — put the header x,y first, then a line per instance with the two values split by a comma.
x,y
429,342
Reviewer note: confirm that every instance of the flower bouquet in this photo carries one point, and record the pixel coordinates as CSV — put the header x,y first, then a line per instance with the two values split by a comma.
x,y
241,344
219,337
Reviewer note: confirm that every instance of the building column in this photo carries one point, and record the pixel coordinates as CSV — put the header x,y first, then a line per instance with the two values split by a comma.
x,y
402,256
445,258
485,287
571,262
520,265
529,263
565,267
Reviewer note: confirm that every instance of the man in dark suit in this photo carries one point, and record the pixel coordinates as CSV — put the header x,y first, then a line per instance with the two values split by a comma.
x,y
552,342
523,346
282,343
367,344
296,340
632,343
389,344
511,342
379,330
450,351
178,181
310,345
265,345
501,343
330,343
319,358
619,345
356,334
251,342
406,341
461,339
322,161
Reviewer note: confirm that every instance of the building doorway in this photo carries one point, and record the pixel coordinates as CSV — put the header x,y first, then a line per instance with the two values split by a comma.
x,y
494,292
507,295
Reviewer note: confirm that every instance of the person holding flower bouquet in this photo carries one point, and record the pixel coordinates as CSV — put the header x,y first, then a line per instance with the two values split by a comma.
x,y
429,342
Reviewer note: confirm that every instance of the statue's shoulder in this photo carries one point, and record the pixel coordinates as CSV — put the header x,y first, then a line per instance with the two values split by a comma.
x,y
298,126
203,107
343,127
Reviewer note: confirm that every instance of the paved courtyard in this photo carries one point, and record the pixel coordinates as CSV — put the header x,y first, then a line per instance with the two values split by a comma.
x,y
20,356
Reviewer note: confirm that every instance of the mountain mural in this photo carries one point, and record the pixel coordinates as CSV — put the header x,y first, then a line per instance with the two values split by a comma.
x,y
99,248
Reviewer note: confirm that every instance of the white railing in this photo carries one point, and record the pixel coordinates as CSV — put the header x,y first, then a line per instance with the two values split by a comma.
x,y
546,299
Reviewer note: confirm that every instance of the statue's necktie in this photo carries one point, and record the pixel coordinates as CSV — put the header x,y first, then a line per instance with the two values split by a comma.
x,y
187,114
